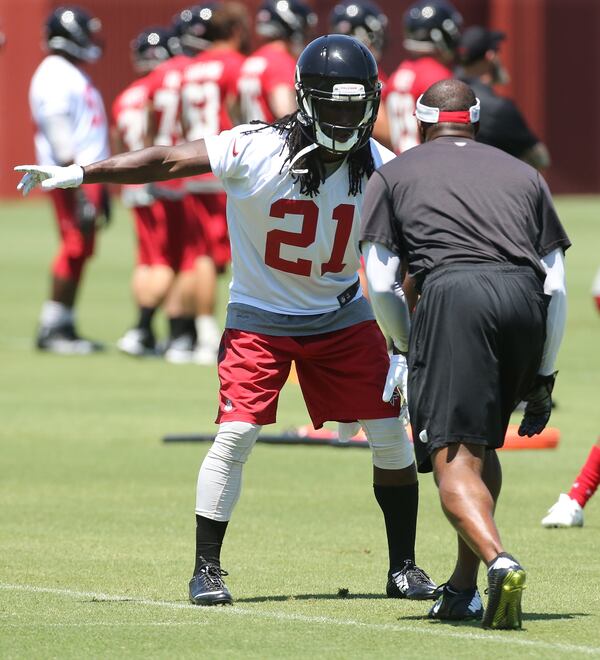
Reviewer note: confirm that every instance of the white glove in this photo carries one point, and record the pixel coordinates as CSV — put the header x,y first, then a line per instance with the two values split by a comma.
x,y
397,379
49,177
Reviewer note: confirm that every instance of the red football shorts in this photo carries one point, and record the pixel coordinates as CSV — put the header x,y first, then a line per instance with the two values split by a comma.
x,y
76,246
341,374
151,234
210,212
178,248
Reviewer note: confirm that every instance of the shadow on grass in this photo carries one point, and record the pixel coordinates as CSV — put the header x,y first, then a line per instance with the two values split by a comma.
x,y
338,596
530,616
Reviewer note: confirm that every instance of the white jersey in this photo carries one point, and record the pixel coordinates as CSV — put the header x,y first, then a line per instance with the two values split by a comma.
x,y
60,88
291,254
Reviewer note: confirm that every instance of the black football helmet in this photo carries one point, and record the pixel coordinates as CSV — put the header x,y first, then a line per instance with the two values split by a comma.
x,y
432,25
291,20
338,91
192,28
361,19
150,48
72,31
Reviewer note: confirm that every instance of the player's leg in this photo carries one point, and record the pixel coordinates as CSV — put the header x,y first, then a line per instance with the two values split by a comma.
x,y
217,492
342,376
252,371
75,212
568,510
151,280
459,598
180,303
209,211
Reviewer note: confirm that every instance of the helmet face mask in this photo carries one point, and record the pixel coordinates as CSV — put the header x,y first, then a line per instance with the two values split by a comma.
x,y
338,93
73,32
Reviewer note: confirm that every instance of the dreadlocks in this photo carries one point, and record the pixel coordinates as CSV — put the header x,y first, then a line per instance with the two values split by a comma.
x,y
360,162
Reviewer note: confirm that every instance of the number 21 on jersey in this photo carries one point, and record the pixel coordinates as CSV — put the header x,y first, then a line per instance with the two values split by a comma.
x,y
343,214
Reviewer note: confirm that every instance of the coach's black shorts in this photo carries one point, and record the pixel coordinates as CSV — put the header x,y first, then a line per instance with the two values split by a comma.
x,y
476,344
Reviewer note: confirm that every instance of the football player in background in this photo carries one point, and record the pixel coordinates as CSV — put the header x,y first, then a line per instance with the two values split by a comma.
x,y
152,275
294,198
266,85
501,125
366,22
70,126
431,36
568,509
193,32
209,105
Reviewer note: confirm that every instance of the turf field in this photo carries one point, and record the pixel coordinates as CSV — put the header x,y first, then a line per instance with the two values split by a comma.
x,y
97,523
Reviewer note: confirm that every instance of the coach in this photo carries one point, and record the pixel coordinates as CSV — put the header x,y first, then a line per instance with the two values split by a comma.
x,y
477,230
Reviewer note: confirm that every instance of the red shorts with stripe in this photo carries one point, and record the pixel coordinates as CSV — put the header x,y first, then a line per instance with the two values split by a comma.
x,y
210,212
76,245
341,374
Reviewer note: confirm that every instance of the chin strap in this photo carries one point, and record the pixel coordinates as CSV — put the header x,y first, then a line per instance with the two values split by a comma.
x,y
300,154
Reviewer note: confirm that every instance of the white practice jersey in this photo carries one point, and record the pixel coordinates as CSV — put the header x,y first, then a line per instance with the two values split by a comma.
x,y
60,88
291,254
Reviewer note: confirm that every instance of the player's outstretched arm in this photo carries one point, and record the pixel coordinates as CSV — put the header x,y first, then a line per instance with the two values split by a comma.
x,y
143,166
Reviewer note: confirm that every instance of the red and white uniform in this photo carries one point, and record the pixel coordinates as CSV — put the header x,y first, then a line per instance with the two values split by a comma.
x,y
164,96
400,95
59,89
292,257
267,68
209,86
292,254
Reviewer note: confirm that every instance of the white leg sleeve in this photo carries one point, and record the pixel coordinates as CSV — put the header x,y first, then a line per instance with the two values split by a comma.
x,y
220,476
390,446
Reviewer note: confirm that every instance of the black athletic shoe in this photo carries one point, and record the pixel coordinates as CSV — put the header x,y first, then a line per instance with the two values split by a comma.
x,y
410,582
207,586
505,589
457,605
64,340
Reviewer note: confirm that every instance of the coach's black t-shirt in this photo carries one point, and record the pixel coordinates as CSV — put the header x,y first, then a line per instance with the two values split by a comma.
x,y
454,200
501,124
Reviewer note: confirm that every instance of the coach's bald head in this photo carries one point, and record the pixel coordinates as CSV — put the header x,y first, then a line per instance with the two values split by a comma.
x,y
448,96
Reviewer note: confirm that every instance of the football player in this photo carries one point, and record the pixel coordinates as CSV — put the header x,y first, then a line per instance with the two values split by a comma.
x,y
294,197
152,276
70,126
432,32
209,103
266,83
193,31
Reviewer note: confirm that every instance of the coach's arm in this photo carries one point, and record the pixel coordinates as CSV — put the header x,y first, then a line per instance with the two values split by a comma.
x,y
143,166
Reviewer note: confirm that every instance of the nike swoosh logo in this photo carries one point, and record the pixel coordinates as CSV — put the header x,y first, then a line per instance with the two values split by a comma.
x,y
234,150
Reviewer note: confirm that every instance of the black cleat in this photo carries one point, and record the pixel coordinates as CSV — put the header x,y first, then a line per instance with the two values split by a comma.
x,y
457,605
505,589
410,582
64,340
207,586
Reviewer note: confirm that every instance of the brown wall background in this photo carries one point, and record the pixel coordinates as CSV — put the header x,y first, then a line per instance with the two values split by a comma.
x,y
552,52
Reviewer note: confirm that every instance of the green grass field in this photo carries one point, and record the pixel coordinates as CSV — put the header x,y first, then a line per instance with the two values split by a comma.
x,y
97,520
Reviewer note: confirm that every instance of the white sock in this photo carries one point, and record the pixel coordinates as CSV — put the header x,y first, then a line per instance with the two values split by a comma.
x,y
208,331
54,314
503,562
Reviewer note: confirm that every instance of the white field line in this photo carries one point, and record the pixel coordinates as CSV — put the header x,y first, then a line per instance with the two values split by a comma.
x,y
501,637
